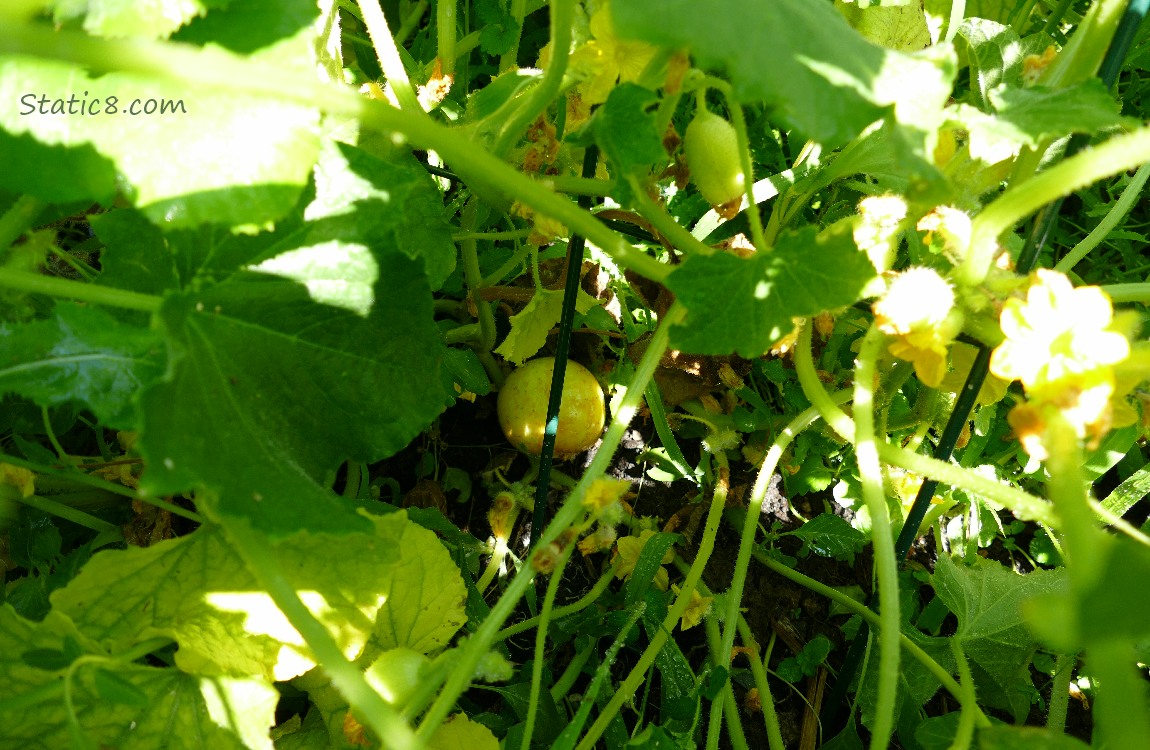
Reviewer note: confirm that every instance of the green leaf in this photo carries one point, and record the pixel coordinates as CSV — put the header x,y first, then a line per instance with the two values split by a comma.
x,y
425,597
648,564
626,130
994,53
531,325
743,306
120,18
80,354
801,57
500,30
828,535
1132,489
270,391
987,598
895,25
938,732
57,174
253,176
197,591
461,733
1031,116
112,688
381,202
1026,738
126,706
463,368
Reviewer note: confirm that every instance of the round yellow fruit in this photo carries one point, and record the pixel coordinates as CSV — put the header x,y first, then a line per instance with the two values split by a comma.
x,y
523,408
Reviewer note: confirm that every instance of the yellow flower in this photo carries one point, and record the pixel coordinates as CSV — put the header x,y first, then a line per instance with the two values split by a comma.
x,y
876,233
1061,344
608,59
603,493
1056,335
696,610
918,311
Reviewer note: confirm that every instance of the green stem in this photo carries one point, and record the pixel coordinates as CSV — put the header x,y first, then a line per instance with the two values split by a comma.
x,y
638,673
759,673
216,68
69,513
965,731
1088,166
34,283
568,609
872,617
541,646
1022,504
570,674
411,23
510,58
1060,692
388,54
562,14
1128,292
1116,214
567,515
886,564
572,185
957,11
751,519
469,252
813,388
739,121
734,723
445,25
678,235
1121,707
18,219
259,558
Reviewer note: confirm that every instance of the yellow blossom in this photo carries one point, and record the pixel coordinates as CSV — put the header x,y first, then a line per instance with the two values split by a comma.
x,y
603,493
608,59
1061,344
696,610
876,233
1056,335
918,311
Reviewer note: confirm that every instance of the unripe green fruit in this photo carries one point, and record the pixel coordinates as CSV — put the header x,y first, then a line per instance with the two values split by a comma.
x,y
712,150
523,408
395,674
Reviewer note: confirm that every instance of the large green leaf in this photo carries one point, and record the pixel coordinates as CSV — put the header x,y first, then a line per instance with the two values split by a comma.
x,y
117,704
995,54
801,57
197,591
80,354
389,202
119,18
202,155
57,174
745,305
1028,116
269,390
423,600
987,599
